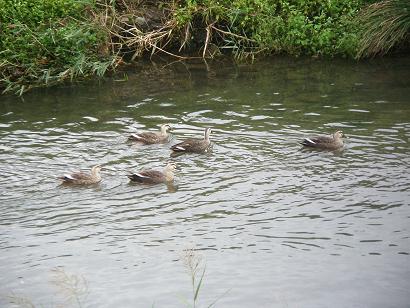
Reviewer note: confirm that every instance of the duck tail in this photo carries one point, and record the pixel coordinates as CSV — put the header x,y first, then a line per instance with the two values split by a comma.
x,y
308,142
178,148
134,137
66,178
132,177
135,177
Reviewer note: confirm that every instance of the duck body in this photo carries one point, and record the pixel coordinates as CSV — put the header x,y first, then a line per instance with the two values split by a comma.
x,y
152,137
332,142
154,176
82,178
194,145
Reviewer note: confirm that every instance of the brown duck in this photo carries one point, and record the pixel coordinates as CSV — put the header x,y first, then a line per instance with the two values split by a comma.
x,y
332,142
152,137
154,176
82,178
194,145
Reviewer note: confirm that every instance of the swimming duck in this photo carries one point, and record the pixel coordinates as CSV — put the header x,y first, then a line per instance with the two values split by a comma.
x,y
81,178
154,176
151,138
332,142
194,145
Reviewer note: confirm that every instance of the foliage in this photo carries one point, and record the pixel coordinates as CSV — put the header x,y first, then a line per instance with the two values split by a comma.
x,y
385,24
48,41
297,27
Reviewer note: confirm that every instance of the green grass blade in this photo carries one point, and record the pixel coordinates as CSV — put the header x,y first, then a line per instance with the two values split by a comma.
x,y
199,285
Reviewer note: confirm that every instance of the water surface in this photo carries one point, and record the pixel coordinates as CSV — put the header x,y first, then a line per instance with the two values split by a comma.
x,y
275,225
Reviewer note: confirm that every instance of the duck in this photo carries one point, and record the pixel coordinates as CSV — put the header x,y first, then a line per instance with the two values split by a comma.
x,y
150,176
82,178
331,142
194,145
152,137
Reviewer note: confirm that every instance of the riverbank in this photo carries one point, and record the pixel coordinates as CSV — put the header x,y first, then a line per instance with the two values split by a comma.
x,y
46,42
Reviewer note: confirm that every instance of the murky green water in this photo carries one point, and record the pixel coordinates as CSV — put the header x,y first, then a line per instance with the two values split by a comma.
x,y
276,226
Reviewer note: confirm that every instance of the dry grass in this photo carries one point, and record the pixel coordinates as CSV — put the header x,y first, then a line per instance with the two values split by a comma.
x,y
137,28
72,287
19,301
133,28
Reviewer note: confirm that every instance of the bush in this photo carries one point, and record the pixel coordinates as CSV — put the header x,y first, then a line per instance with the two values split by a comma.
x,y
46,41
293,26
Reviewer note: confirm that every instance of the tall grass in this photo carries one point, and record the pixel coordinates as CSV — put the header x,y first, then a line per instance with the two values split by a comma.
x,y
385,25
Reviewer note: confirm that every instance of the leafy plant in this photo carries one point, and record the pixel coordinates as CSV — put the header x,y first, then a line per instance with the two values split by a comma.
x,y
296,27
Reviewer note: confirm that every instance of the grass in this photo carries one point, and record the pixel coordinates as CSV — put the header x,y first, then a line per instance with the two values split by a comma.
x,y
72,287
193,262
44,42
385,25
196,268
260,27
47,42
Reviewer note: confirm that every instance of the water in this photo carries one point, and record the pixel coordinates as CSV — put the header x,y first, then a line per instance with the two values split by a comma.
x,y
275,225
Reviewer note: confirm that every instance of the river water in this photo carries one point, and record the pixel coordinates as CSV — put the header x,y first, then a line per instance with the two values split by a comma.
x,y
268,223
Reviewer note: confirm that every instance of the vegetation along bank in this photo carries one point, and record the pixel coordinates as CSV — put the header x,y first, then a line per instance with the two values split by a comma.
x,y
48,41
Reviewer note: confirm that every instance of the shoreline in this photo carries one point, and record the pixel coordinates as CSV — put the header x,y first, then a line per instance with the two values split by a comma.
x,y
48,43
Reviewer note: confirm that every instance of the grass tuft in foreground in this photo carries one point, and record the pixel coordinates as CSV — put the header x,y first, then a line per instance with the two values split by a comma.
x,y
196,268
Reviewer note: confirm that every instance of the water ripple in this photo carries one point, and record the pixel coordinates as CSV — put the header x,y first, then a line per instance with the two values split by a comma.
x,y
258,192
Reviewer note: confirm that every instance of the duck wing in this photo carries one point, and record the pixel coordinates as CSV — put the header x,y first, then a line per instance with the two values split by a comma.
x,y
77,176
190,145
147,176
146,137
318,141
